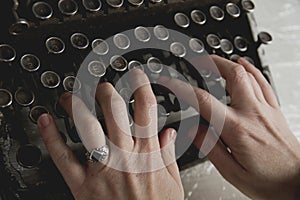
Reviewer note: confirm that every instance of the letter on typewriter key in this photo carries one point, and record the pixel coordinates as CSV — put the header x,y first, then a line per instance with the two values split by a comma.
x,y
55,45
118,63
248,5
92,5
24,97
5,98
142,34
100,47
182,20
7,53
42,10
97,69
154,65
226,46
50,79
213,41
115,3
233,10
196,45
71,84
178,49
198,17
161,32
30,63
29,156
121,41
79,41
136,2
36,112
216,13
135,64
240,43
68,7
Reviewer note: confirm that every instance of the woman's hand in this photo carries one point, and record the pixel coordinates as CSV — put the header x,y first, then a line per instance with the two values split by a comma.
x,y
130,172
264,156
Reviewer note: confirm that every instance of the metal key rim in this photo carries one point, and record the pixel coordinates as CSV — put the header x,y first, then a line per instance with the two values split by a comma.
x,y
37,107
53,73
80,35
236,41
35,57
100,64
143,29
123,36
116,68
177,20
194,12
50,50
136,3
234,15
40,16
75,81
115,5
158,36
10,98
216,17
199,42
94,46
14,53
92,9
68,13
24,104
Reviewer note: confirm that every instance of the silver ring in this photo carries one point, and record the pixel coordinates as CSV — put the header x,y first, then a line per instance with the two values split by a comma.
x,y
99,154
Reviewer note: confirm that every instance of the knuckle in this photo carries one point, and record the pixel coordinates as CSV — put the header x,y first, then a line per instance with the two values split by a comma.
x,y
238,73
64,156
203,97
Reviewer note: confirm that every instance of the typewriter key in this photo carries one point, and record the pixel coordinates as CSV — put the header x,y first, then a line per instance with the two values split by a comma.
x,y
161,32
36,112
118,63
135,64
97,69
24,97
55,45
240,43
198,17
250,60
248,5
234,57
30,62
226,46
154,65
7,53
121,41
19,27
68,7
182,20
265,38
79,41
178,49
29,156
115,3
196,45
213,41
71,84
42,10
155,1
142,34
216,13
100,47
233,10
127,95
6,98
136,2
92,5
50,79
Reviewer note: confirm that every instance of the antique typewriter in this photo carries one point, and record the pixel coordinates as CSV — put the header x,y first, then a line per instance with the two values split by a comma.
x,y
43,44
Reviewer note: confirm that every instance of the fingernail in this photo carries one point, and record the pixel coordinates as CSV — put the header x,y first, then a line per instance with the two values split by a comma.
x,y
43,121
172,134
164,79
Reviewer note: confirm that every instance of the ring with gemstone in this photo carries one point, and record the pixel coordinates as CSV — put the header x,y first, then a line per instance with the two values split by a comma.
x,y
99,154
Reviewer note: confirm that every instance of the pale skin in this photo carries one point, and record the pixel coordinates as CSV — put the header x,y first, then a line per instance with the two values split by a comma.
x,y
264,162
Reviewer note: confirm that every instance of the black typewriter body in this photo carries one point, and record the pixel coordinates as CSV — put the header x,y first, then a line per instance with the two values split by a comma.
x,y
43,44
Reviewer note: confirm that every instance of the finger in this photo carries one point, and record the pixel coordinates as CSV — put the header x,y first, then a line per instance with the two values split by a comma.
x,y
115,115
145,112
167,145
262,82
70,168
256,88
89,129
237,81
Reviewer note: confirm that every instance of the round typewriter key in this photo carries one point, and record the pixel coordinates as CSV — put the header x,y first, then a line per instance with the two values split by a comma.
x,y
55,45
50,79
178,49
30,63
127,95
155,65
19,27
142,34
216,13
226,46
42,10
68,7
79,41
206,73
240,43
155,1
265,37
198,17
234,57
7,53
161,32
196,45
136,2
71,84
118,63
213,41
121,41
182,20
135,64
248,5
92,5
233,10
24,97
97,69
29,156
5,98
115,3
100,47
250,60
36,112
